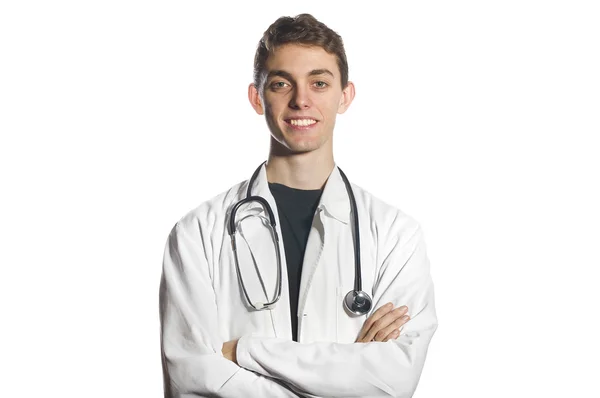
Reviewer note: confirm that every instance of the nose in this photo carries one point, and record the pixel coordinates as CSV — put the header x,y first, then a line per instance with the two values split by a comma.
x,y
300,98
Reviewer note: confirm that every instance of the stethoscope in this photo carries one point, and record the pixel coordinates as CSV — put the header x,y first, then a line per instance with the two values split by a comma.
x,y
356,301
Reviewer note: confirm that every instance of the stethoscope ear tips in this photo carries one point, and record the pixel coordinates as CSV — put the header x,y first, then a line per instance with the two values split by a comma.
x,y
358,303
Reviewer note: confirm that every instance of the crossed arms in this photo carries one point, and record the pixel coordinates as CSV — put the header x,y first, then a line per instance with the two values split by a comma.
x,y
195,359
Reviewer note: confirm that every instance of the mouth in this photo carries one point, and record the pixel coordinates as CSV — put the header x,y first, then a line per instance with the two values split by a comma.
x,y
301,124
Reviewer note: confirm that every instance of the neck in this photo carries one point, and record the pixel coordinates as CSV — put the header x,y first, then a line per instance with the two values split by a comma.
x,y
308,170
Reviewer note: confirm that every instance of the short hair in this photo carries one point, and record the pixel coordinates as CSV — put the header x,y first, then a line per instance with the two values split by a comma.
x,y
301,29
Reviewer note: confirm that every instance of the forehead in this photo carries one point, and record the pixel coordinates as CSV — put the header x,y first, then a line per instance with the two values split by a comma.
x,y
298,59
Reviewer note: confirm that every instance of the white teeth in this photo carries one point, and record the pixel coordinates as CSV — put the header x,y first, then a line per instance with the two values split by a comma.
x,y
302,122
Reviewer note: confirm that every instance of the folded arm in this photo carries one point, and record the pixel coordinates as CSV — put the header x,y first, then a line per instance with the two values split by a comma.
x,y
193,364
369,369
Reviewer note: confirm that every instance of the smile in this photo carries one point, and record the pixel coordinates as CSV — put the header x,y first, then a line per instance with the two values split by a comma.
x,y
301,122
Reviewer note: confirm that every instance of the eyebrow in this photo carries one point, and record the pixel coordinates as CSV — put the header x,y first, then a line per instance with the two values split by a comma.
x,y
288,76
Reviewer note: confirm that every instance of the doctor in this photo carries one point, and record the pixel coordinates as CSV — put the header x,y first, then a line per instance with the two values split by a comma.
x,y
309,342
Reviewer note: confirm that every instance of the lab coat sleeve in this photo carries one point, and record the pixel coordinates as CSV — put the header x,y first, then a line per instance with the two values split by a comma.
x,y
193,365
374,369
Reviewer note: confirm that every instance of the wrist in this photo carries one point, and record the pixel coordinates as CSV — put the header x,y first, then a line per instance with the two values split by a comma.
x,y
234,352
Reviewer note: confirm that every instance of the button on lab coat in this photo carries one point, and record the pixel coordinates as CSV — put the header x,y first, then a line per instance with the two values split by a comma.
x,y
202,305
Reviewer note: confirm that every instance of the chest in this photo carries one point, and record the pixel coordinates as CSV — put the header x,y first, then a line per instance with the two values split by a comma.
x,y
259,271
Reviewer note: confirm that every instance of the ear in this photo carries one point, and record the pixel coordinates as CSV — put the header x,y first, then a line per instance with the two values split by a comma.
x,y
347,98
254,98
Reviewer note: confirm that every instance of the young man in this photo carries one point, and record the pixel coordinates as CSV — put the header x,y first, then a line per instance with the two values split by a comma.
x,y
220,336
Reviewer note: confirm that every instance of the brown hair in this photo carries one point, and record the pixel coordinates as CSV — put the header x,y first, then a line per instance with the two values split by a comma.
x,y
301,29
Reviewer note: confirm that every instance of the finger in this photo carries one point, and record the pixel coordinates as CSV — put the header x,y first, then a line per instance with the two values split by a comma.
x,y
396,325
392,336
384,322
378,321
381,311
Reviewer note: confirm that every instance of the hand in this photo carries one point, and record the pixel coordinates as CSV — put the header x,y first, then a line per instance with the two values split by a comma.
x,y
229,350
384,324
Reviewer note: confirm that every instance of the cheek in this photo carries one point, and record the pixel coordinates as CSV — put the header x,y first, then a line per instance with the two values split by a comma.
x,y
330,105
273,109
330,112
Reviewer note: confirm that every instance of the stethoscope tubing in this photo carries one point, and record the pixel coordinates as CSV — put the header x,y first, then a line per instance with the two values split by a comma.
x,y
356,301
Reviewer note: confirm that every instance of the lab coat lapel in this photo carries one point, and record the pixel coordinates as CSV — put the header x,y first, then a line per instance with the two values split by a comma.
x,y
333,208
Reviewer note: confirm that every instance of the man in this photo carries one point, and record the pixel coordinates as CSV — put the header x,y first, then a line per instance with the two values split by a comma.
x,y
214,340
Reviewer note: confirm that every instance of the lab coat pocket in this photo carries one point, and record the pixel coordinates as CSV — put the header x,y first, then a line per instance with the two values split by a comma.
x,y
348,325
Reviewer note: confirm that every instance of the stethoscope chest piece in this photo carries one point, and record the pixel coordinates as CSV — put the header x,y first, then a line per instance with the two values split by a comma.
x,y
358,303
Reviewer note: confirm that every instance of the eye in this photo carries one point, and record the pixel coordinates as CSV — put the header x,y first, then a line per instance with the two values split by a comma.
x,y
279,85
321,84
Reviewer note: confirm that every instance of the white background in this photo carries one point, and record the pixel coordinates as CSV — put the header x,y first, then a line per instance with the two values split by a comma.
x,y
479,119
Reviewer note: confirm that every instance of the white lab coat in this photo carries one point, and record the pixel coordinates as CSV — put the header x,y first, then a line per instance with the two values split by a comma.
x,y
202,305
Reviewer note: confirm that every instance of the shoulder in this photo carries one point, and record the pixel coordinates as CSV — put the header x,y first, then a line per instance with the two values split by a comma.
x,y
210,214
385,219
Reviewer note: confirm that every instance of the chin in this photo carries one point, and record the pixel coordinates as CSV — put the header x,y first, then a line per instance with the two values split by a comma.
x,y
293,144
305,144
300,149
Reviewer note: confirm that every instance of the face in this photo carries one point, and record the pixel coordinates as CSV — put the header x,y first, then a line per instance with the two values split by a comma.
x,y
301,97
